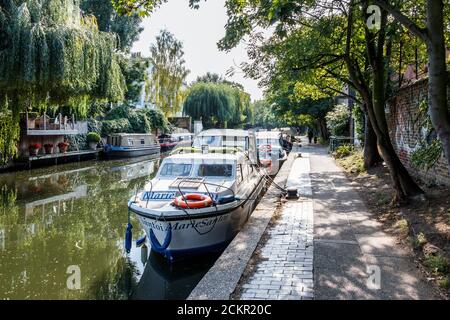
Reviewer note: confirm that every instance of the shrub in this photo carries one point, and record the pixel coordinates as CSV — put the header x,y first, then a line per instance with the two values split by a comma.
x,y
344,150
93,137
353,163
63,144
48,145
338,120
116,126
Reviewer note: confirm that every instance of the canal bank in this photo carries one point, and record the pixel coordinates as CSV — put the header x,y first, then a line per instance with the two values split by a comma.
x,y
220,281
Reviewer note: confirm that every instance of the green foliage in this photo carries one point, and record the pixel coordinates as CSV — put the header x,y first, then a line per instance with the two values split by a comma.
x,y
344,150
52,55
93,137
218,104
338,120
127,27
359,117
157,119
125,119
116,126
135,72
9,135
353,162
437,263
427,155
164,88
265,115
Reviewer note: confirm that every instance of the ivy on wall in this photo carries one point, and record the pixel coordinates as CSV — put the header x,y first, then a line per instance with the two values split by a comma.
x,y
430,150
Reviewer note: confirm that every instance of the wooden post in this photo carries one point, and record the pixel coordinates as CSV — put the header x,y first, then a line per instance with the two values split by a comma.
x,y
45,121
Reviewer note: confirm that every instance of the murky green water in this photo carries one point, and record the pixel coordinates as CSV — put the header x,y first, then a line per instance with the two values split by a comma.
x,y
58,219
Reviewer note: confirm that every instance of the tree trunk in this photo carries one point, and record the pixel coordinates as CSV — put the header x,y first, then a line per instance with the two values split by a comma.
x,y
437,75
405,186
371,155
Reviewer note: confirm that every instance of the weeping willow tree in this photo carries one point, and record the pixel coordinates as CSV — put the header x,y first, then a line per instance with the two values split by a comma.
x,y
52,55
215,104
164,88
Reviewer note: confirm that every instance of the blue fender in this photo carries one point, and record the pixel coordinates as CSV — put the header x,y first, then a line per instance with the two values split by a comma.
x,y
128,237
156,246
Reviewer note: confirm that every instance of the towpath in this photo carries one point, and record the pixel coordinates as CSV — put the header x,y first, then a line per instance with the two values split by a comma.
x,y
326,244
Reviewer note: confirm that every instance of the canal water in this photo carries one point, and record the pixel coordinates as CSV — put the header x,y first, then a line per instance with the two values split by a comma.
x,y
67,222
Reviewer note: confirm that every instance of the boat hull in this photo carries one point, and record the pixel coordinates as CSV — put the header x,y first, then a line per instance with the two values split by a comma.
x,y
186,236
115,153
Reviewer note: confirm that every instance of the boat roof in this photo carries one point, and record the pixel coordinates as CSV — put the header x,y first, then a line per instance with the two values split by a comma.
x,y
208,156
268,135
223,132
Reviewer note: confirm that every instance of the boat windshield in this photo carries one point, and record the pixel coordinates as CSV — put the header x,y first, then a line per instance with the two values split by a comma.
x,y
215,170
221,141
175,170
272,142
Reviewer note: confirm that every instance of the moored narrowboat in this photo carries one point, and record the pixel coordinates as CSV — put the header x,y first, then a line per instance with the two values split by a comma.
x,y
127,145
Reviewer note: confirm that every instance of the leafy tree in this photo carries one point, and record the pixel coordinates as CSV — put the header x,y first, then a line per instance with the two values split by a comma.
x,y
127,27
51,55
215,104
135,72
337,120
168,75
243,109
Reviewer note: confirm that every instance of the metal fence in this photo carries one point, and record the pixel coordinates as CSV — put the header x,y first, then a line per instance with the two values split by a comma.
x,y
335,142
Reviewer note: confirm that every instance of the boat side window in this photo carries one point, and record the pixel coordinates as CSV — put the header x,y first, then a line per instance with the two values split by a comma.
x,y
176,169
142,141
215,170
130,142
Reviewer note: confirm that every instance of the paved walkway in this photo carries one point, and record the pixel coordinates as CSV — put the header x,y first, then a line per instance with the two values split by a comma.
x,y
286,268
344,255
353,257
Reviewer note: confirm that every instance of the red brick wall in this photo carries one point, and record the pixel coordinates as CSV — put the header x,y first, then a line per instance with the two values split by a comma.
x,y
406,131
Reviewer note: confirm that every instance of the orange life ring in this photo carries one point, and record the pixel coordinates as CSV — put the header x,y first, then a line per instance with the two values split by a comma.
x,y
192,201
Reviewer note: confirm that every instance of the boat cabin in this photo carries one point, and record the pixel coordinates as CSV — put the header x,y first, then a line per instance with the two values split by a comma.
x,y
132,140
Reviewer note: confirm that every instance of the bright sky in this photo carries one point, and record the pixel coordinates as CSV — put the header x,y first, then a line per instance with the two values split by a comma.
x,y
199,30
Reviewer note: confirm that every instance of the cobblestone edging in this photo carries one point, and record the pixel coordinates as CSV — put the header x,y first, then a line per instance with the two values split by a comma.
x,y
221,280
285,267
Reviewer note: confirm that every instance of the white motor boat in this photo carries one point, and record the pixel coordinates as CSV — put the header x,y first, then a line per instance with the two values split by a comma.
x,y
201,196
270,151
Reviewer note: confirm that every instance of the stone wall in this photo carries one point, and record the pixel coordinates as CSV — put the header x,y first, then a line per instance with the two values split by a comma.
x,y
408,133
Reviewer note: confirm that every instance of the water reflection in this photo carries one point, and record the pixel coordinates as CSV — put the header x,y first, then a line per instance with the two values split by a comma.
x,y
76,214
164,280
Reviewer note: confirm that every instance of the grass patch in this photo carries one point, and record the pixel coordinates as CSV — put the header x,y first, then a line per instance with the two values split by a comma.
x,y
353,162
444,283
382,200
437,264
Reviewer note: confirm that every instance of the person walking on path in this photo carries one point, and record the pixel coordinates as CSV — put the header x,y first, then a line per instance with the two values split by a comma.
x,y
310,135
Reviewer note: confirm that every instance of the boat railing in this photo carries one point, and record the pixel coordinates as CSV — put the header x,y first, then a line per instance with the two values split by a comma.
x,y
223,150
204,183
